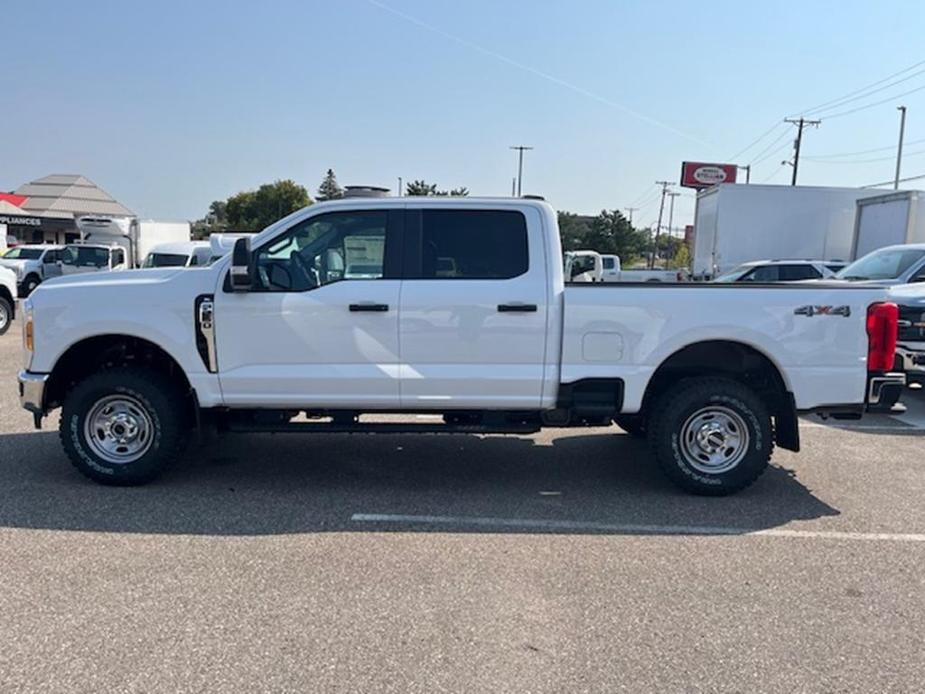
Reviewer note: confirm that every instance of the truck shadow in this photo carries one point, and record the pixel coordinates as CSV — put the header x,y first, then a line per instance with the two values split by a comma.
x,y
579,482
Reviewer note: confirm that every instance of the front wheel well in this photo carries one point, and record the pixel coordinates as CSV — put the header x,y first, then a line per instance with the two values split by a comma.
x,y
736,361
107,352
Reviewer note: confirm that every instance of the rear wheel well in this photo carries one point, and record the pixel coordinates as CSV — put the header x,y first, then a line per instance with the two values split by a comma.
x,y
736,361
106,352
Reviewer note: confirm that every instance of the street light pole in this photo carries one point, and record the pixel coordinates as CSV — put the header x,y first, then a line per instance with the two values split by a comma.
x,y
520,166
899,149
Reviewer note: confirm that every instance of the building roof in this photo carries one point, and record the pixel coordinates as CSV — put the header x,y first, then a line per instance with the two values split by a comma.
x,y
62,195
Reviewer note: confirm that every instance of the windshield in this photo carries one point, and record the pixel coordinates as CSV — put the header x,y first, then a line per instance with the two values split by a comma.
x,y
885,264
733,275
165,260
86,256
21,253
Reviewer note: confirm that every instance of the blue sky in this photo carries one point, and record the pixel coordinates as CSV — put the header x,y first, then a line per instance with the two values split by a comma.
x,y
170,105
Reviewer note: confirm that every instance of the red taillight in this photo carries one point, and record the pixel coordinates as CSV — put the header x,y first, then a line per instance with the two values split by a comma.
x,y
882,327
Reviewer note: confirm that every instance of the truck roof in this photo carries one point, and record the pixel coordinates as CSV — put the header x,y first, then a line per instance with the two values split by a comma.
x,y
178,247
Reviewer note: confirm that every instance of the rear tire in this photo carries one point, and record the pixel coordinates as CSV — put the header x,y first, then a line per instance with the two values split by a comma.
x,y
6,315
635,425
123,426
711,436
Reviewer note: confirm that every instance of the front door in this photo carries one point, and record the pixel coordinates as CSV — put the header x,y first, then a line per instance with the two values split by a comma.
x,y
320,327
473,309
51,263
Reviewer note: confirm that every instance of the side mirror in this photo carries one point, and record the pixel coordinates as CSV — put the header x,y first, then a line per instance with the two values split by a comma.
x,y
241,276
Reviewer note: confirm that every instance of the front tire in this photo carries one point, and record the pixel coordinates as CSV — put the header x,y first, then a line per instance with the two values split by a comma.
x,y
711,436
123,426
6,315
29,285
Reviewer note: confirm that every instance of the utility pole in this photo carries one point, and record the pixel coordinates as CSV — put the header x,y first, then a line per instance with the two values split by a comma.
x,y
399,187
671,195
899,150
658,226
631,210
748,172
520,165
801,123
514,187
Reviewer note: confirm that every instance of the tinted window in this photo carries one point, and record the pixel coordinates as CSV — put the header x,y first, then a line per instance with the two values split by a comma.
x,y
324,249
118,257
24,254
473,244
885,264
607,263
165,260
767,273
51,256
793,273
82,256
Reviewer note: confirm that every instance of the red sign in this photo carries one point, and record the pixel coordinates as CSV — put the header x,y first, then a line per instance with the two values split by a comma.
x,y
696,174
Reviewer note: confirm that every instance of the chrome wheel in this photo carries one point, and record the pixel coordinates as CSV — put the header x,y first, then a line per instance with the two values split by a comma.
x,y
119,429
714,439
4,316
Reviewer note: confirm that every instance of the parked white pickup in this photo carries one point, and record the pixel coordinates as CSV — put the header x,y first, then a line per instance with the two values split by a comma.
x,y
461,309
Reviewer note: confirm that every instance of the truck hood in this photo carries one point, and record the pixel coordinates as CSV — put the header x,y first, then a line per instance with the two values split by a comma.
x,y
113,280
908,294
15,265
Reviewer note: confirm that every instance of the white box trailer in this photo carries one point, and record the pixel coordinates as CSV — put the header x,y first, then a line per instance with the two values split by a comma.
x,y
136,236
737,223
888,219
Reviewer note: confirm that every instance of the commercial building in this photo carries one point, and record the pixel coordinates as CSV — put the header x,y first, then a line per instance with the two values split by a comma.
x,y
46,210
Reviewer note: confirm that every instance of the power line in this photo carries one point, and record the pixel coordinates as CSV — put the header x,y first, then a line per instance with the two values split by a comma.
x,y
776,171
838,104
901,180
862,151
864,161
875,103
771,154
755,141
801,123
863,89
761,155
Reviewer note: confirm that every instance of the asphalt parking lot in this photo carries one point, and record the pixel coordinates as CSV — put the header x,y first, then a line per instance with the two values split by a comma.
x,y
560,562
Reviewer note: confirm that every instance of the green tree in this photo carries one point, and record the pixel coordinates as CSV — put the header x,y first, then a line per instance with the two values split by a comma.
x,y
573,231
252,210
330,189
682,257
420,188
423,188
610,232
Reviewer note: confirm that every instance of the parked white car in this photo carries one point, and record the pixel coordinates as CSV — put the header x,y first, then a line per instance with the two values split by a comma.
x,y
7,298
782,271
33,264
715,376
179,254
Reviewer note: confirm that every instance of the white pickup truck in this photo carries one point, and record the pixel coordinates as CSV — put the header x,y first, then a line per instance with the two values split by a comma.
x,y
714,375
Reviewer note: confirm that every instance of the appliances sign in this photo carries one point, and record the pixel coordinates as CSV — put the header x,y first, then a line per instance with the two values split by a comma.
x,y
696,174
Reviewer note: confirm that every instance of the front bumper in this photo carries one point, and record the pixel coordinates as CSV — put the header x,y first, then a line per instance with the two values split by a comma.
x,y
32,394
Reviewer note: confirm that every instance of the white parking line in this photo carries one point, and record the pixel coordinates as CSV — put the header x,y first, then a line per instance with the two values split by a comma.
x,y
630,528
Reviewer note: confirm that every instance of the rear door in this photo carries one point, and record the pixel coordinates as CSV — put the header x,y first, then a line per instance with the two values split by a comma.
x,y
472,323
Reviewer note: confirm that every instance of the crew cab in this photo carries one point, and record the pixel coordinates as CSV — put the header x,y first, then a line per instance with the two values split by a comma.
x,y
713,375
33,264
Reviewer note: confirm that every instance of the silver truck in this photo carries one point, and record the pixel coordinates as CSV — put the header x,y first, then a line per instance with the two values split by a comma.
x,y
33,264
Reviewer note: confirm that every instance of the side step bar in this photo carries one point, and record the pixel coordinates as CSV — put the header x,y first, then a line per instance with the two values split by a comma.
x,y
380,428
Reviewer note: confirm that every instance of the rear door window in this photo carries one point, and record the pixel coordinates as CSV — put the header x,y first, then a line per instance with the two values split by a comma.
x,y
472,245
766,273
794,273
